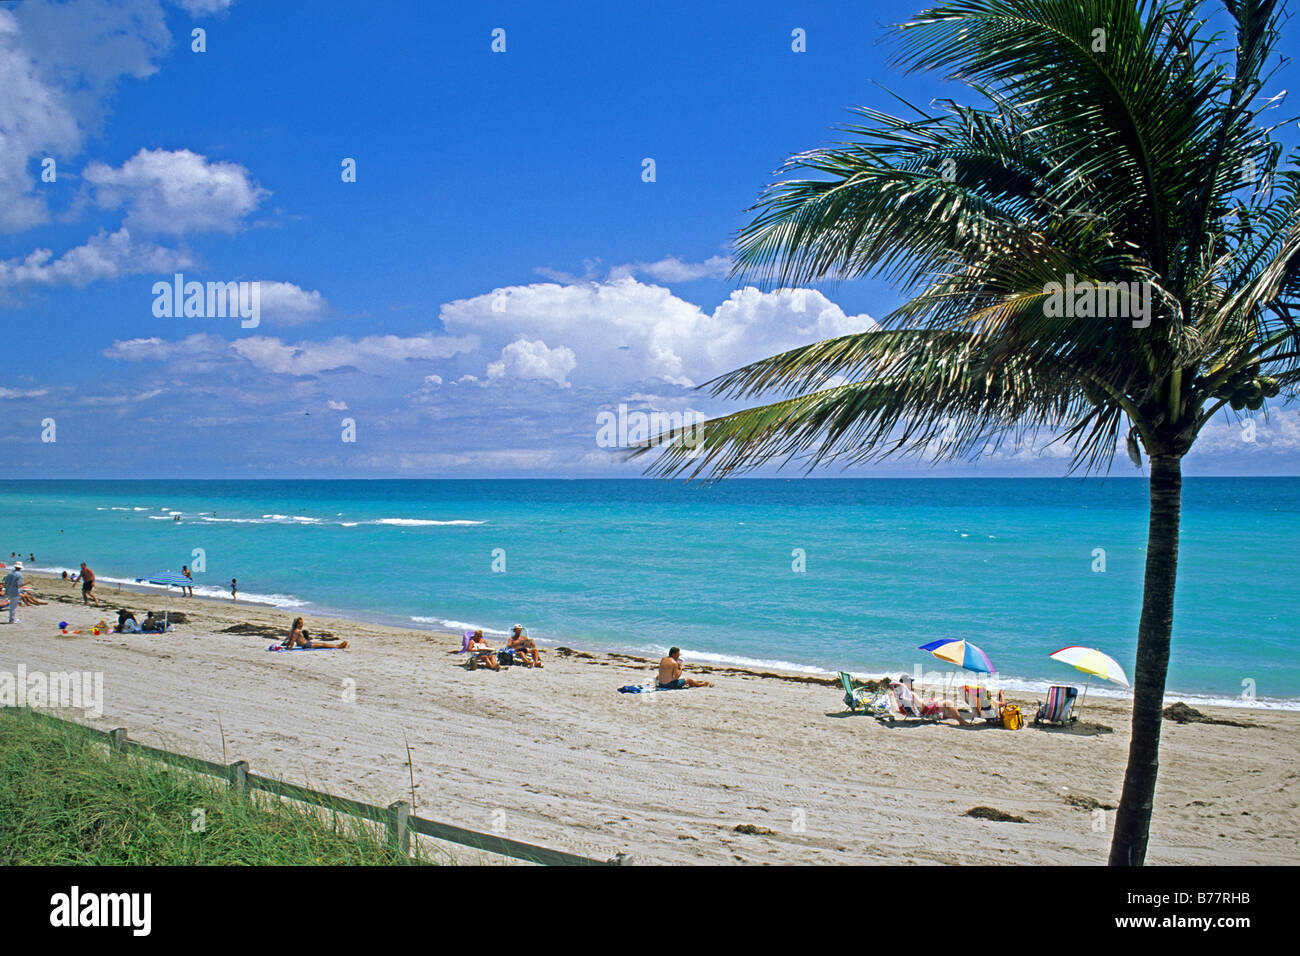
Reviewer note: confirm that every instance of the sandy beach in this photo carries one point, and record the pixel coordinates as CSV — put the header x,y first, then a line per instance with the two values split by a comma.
x,y
760,768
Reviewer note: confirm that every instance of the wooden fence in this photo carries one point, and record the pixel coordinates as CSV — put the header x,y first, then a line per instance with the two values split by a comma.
x,y
396,817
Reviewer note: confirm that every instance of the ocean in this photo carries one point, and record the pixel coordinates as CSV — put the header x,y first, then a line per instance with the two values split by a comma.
x,y
815,575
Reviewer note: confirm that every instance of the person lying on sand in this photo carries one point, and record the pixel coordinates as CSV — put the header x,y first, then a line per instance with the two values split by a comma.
x,y
670,673
482,652
938,709
523,647
299,637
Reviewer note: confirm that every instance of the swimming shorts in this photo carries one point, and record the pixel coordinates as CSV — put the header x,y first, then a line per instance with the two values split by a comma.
x,y
679,684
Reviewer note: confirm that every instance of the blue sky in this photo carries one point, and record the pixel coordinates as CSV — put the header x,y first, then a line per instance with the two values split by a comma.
x,y
498,274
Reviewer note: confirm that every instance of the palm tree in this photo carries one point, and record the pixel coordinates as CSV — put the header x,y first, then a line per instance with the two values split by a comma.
x,y
1105,251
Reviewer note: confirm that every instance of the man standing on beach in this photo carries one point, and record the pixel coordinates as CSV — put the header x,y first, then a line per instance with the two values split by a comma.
x,y
14,591
88,585
670,673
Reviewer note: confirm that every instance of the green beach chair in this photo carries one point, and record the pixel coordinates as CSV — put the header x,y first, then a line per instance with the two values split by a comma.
x,y
854,697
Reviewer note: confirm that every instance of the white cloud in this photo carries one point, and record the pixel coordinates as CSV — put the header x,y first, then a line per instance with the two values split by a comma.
x,y
336,406
203,8
104,256
287,304
23,392
673,269
529,359
376,354
624,331
60,64
176,192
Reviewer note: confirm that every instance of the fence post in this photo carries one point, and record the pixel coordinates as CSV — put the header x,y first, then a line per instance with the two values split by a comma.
x,y
399,835
237,774
116,739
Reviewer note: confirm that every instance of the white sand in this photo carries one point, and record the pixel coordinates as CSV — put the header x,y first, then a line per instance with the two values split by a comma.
x,y
565,761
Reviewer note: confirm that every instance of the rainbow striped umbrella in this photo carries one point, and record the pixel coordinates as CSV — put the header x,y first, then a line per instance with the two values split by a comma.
x,y
961,652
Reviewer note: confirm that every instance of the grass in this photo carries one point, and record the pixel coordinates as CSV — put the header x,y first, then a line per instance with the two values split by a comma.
x,y
65,801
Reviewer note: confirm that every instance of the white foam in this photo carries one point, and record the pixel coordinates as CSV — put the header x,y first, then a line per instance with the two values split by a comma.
x,y
458,625
420,522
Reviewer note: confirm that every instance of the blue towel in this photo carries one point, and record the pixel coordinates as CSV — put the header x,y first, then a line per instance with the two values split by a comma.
x,y
631,689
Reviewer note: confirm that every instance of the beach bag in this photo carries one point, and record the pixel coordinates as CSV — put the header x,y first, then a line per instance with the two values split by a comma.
x,y
1011,718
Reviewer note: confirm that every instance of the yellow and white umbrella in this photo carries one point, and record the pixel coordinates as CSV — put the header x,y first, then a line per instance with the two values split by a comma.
x,y
1093,663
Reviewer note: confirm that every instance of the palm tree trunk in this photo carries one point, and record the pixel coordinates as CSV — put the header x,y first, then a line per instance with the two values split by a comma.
x,y
1128,845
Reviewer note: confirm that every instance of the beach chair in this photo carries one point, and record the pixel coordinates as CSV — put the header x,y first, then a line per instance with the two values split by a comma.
x,y
1059,707
905,703
854,697
981,702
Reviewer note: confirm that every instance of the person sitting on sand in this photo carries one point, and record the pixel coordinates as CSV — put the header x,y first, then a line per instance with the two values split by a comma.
x,y
299,637
123,615
936,709
27,598
523,647
153,625
670,673
482,652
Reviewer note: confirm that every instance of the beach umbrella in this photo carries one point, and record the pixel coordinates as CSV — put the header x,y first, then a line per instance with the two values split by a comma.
x,y
171,579
1093,663
963,653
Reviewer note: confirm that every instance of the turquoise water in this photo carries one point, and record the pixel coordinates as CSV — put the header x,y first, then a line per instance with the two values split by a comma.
x,y
640,565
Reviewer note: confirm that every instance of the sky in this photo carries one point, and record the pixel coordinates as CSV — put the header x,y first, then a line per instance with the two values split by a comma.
x,y
500,275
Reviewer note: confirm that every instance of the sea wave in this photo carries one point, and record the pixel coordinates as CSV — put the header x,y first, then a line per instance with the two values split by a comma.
x,y
200,590
459,625
420,522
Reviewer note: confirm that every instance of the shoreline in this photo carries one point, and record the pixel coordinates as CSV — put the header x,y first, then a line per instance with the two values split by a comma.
x,y
763,767
293,606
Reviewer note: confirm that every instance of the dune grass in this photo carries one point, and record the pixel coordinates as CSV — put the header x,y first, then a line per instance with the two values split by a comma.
x,y
65,800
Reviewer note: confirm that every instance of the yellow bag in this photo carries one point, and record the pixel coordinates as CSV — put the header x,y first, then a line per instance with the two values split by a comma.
x,y
1011,718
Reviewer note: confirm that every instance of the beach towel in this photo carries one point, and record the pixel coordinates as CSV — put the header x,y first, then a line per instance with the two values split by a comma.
x,y
281,647
645,688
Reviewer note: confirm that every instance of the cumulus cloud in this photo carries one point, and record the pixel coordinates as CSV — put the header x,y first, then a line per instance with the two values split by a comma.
x,y
104,256
284,303
530,359
176,192
624,331
60,64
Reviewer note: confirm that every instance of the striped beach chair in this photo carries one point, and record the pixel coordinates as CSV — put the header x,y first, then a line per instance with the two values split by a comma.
x,y
1058,709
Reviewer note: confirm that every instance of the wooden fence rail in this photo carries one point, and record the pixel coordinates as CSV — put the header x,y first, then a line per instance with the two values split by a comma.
x,y
396,817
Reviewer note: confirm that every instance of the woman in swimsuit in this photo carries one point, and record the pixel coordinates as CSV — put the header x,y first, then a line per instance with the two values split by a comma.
x,y
298,638
483,652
